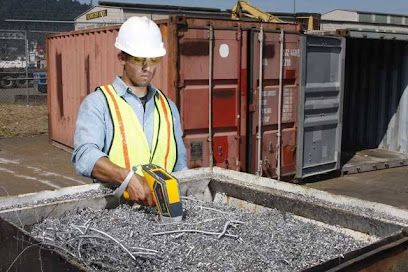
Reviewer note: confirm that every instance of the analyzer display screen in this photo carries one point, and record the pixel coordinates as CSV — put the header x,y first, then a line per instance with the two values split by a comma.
x,y
162,175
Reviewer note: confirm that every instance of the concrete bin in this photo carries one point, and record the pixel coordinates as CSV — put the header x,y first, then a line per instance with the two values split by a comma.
x,y
382,225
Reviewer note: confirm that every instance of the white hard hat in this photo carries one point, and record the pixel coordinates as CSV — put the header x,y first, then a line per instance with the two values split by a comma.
x,y
140,37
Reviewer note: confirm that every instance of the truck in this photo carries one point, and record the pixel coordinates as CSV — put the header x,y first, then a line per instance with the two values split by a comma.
x,y
13,68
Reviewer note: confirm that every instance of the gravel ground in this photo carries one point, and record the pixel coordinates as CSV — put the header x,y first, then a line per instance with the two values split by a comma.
x,y
131,239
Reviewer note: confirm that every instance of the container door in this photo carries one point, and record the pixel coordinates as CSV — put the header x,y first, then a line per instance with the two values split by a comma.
x,y
320,105
272,146
225,102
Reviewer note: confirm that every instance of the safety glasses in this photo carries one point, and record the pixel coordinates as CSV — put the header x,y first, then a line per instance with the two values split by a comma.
x,y
143,61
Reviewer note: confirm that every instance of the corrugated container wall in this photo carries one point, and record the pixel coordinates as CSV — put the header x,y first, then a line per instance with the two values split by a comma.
x,y
376,95
78,62
203,55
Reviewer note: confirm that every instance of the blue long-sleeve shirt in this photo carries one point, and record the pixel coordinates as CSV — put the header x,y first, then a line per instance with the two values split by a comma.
x,y
94,128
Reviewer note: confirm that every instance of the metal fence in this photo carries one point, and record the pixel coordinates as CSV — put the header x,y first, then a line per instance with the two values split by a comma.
x,y
23,77
23,96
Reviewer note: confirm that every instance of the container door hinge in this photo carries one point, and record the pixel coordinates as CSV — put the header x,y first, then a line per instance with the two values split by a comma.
x,y
238,35
181,22
180,33
181,84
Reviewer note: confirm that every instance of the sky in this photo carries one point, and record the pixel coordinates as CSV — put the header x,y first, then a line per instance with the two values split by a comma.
x,y
319,6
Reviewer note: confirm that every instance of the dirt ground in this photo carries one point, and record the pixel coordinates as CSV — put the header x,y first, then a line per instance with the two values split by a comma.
x,y
28,161
21,120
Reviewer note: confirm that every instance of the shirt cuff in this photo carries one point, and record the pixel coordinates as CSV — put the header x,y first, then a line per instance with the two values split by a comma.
x,y
87,161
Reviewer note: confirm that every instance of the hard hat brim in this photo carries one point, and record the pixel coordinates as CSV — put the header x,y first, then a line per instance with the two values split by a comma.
x,y
142,53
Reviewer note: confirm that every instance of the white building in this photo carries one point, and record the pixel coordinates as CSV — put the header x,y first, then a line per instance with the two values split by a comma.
x,y
113,13
363,21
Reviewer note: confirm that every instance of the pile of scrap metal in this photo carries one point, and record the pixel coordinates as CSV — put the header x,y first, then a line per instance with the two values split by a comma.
x,y
278,226
210,238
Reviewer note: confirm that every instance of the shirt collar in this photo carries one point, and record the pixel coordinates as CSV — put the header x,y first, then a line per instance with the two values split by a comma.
x,y
121,88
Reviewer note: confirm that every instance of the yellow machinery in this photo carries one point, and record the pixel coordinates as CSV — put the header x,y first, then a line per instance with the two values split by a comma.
x,y
165,191
309,24
244,8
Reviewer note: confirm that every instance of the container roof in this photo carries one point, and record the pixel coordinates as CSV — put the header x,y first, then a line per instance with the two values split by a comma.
x,y
161,9
154,6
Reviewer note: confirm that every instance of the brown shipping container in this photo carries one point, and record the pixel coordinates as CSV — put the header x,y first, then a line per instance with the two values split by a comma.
x,y
223,54
78,62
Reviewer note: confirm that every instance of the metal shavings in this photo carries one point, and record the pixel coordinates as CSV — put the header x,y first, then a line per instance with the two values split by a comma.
x,y
239,240
195,231
212,209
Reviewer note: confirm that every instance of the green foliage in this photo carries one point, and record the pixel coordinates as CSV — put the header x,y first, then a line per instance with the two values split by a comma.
x,y
50,10
42,9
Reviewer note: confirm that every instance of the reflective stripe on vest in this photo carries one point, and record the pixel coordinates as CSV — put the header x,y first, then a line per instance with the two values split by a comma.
x,y
129,144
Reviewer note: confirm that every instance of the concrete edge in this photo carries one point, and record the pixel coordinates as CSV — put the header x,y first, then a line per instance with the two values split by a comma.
x,y
26,199
338,200
196,173
376,210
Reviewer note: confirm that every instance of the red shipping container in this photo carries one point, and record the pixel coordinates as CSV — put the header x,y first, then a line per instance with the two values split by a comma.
x,y
80,61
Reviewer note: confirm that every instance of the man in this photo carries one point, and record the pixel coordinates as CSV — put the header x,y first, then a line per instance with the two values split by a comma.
x,y
130,122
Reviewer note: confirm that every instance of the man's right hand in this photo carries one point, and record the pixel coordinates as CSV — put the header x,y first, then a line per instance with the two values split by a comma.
x,y
139,191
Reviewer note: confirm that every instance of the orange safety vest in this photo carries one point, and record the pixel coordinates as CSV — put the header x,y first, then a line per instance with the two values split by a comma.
x,y
129,144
